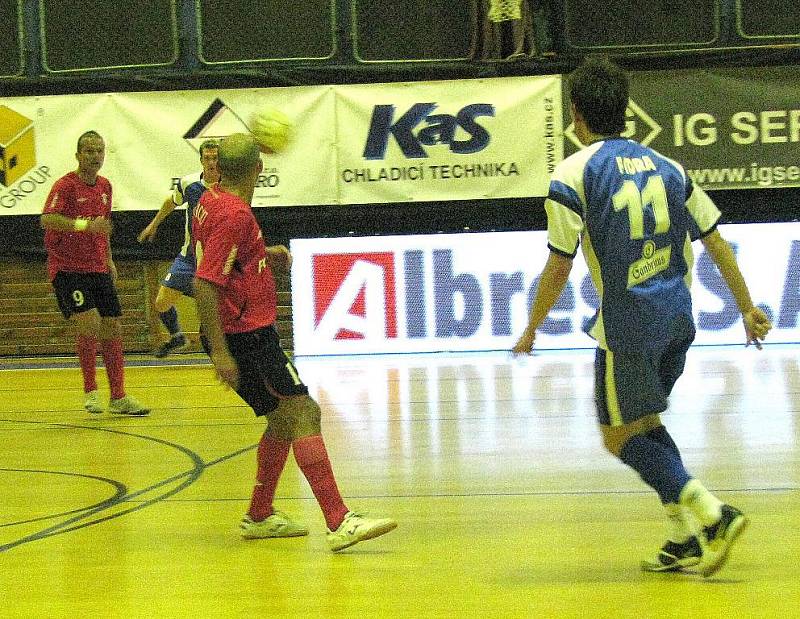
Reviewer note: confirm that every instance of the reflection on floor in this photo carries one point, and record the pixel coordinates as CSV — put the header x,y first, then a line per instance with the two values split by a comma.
x,y
508,505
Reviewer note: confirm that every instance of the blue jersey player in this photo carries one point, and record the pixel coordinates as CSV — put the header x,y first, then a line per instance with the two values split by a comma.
x,y
178,281
634,213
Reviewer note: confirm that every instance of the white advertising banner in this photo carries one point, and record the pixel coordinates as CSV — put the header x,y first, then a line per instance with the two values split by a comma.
x,y
455,140
471,292
152,140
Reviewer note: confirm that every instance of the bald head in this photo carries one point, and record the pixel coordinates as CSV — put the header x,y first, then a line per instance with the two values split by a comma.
x,y
238,157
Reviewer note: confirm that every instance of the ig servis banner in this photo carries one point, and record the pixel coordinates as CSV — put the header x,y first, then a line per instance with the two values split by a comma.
x,y
735,128
455,140
152,140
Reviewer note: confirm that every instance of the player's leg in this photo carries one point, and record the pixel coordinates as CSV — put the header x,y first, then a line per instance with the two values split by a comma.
x,y
111,347
75,300
629,396
176,283
262,520
721,523
298,417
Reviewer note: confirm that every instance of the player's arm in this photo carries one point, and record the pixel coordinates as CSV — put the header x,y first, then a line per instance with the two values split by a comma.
x,y
564,227
206,296
756,323
53,218
149,233
551,283
62,223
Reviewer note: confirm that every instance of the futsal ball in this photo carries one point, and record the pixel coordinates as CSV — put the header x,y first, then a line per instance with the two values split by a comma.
x,y
271,128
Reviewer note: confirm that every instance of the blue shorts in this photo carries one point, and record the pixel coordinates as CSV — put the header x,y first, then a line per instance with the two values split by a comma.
x,y
180,276
631,385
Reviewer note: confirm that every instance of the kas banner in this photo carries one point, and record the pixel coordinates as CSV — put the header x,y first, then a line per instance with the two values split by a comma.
x,y
730,128
152,140
458,140
353,144
469,292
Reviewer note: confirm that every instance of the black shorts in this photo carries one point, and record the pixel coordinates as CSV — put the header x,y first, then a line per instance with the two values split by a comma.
x,y
81,292
266,374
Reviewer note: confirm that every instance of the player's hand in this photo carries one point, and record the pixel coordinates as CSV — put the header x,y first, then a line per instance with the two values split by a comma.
x,y
100,225
524,345
148,234
756,326
280,257
112,270
226,369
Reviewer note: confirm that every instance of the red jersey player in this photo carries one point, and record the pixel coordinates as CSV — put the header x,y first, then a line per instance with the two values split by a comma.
x,y
77,227
236,300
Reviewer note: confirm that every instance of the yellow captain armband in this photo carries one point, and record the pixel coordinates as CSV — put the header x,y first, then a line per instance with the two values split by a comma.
x,y
81,225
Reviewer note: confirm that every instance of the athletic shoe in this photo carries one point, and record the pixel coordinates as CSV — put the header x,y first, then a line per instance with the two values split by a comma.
x,y
92,402
719,538
674,556
176,343
128,405
276,525
356,528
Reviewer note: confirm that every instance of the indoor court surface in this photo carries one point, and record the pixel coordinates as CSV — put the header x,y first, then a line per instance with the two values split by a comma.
x,y
507,504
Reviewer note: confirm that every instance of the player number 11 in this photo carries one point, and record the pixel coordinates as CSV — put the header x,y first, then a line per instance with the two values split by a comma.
x,y
629,197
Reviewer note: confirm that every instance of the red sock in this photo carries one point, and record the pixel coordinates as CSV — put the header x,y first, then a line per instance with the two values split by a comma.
x,y
312,458
271,457
115,366
86,346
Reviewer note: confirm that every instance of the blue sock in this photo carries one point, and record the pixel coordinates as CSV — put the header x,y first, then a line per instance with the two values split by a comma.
x,y
657,465
660,435
170,320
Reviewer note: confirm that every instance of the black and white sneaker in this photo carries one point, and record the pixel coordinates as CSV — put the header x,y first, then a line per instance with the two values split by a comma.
x,y
674,556
719,538
176,343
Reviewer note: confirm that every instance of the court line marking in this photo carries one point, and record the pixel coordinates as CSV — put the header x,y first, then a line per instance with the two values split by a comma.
x,y
121,489
74,523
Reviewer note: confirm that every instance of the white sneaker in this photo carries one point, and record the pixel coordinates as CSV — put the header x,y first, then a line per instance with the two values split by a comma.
x,y
92,403
356,528
128,405
276,525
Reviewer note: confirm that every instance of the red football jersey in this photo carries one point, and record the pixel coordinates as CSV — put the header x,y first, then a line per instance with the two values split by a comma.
x,y
232,254
79,252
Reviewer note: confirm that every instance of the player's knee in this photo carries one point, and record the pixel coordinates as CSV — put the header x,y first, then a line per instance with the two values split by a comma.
x,y
87,323
110,328
615,437
164,300
307,417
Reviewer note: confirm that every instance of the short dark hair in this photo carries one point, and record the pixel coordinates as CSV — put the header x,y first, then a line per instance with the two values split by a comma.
x,y
85,135
208,145
238,155
599,89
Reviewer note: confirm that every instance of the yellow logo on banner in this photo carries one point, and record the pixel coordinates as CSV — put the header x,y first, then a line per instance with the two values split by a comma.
x,y
17,146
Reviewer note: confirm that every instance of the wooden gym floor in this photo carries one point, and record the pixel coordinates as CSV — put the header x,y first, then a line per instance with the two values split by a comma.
x,y
508,506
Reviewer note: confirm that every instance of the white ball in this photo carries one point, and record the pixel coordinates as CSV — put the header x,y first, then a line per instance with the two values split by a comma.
x,y
271,128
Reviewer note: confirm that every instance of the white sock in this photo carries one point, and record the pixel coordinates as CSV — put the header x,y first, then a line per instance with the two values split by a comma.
x,y
705,506
679,530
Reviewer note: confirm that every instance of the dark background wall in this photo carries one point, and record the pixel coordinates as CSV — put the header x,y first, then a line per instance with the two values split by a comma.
x,y
81,46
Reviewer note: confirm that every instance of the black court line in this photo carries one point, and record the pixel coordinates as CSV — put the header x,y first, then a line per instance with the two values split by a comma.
x,y
75,522
480,495
121,489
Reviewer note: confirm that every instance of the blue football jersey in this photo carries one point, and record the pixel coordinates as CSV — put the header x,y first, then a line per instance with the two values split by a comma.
x,y
634,212
188,192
